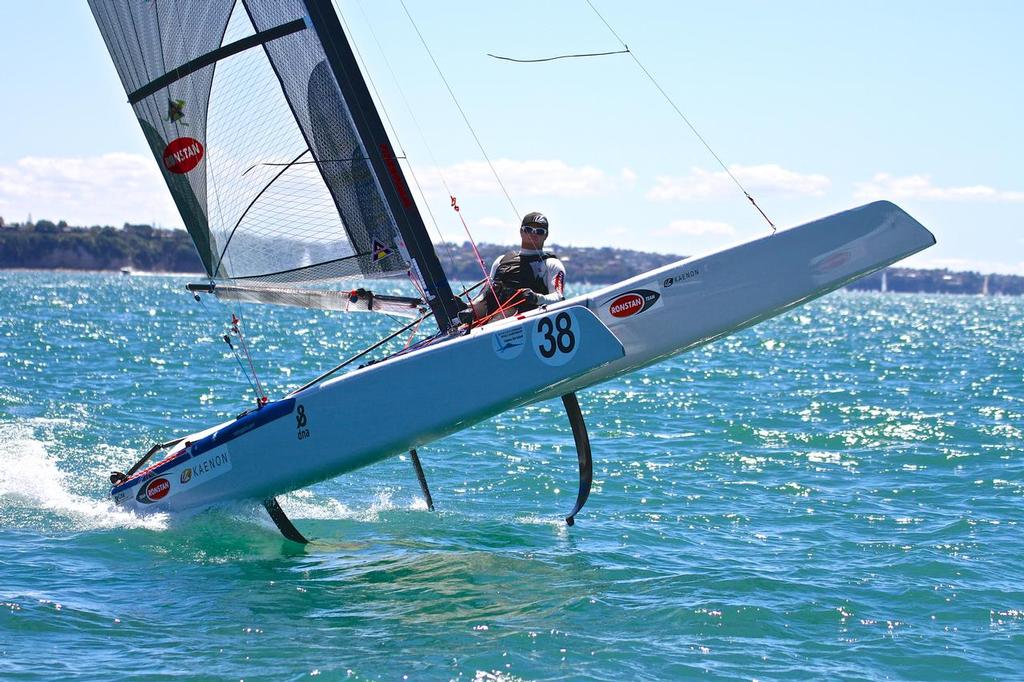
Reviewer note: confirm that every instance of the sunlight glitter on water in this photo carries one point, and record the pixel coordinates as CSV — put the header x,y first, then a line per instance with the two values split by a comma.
x,y
834,493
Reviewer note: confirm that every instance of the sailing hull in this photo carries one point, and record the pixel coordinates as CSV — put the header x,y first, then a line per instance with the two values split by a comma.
x,y
374,412
697,300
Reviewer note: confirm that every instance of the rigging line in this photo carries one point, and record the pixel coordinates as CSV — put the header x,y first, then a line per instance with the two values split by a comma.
x,y
469,234
394,130
476,251
366,72
472,288
681,115
227,340
298,269
375,346
511,303
240,365
561,56
412,335
366,119
302,163
459,107
237,321
251,204
423,138
361,354
296,115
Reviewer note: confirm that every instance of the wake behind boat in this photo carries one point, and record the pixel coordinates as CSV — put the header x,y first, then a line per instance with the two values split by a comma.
x,y
309,191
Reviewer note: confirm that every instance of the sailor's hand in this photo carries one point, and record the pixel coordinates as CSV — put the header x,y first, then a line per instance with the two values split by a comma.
x,y
529,296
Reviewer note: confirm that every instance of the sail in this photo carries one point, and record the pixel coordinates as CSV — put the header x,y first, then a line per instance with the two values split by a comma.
x,y
272,148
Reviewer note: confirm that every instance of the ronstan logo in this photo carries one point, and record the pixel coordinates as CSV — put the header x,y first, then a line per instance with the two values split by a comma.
x,y
632,302
155,490
626,305
183,154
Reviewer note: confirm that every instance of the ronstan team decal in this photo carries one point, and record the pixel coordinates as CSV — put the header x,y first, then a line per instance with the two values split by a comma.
x,y
183,154
153,491
632,302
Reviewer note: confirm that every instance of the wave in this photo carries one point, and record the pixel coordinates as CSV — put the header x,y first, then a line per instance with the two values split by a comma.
x,y
35,491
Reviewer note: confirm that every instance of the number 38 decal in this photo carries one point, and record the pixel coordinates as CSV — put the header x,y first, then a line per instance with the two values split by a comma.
x,y
555,338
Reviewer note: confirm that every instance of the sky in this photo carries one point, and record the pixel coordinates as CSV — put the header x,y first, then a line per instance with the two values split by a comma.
x,y
814,107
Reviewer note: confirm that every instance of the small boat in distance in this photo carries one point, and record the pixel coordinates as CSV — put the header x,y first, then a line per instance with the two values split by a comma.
x,y
280,166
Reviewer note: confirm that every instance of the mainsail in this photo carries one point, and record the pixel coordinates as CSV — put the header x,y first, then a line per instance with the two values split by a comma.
x,y
271,145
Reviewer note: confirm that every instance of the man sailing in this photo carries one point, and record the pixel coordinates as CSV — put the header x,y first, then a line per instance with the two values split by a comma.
x,y
525,280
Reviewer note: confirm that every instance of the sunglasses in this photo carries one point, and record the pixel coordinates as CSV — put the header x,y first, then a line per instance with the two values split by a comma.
x,y
534,230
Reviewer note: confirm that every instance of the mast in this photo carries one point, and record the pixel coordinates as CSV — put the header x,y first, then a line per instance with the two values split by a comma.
x,y
382,158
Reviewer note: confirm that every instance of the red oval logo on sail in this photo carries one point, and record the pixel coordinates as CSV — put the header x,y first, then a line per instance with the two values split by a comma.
x,y
183,154
626,305
158,488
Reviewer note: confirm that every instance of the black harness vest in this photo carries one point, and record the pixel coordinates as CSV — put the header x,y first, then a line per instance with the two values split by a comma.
x,y
515,272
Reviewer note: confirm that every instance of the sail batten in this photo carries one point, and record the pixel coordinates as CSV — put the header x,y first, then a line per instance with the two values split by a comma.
x,y
225,90
214,56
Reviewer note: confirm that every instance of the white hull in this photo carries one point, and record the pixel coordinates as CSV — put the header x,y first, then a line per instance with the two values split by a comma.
x,y
373,413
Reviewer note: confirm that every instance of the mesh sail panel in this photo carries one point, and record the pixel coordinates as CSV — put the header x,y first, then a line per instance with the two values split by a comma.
x,y
145,41
254,138
326,123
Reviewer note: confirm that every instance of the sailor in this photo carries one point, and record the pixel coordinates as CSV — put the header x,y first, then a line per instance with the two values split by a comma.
x,y
526,279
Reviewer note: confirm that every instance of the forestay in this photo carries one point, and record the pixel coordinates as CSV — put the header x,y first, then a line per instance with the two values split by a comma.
x,y
272,148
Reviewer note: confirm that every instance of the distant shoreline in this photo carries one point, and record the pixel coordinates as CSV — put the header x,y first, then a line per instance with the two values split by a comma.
x,y
143,249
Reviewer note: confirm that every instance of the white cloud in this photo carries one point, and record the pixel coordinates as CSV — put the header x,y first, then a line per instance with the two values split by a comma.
x,y
532,178
697,228
885,186
494,230
490,222
765,178
110,189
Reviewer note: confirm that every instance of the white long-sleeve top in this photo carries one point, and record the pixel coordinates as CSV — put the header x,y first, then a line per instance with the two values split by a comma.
x,y
550,269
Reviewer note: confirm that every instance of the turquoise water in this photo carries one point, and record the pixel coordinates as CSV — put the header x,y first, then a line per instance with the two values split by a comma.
x,y
835,493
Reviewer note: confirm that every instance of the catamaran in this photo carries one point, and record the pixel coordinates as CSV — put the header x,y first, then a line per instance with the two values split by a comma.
x,y
274,152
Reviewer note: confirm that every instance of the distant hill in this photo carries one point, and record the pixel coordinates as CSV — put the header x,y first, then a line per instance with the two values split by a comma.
x,y
907,280
46,245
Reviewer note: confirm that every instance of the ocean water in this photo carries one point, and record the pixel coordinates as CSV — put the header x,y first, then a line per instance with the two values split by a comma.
x,y
836,493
